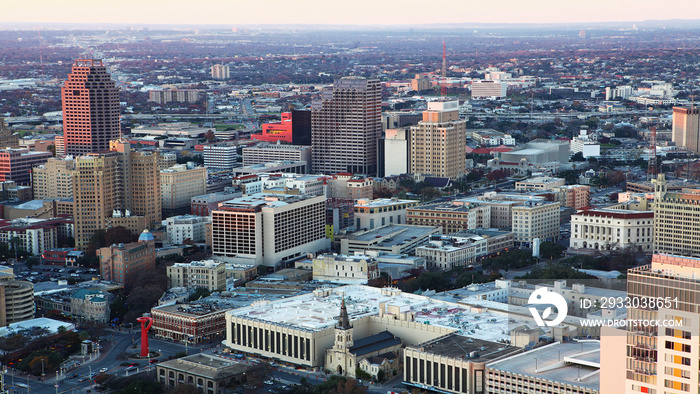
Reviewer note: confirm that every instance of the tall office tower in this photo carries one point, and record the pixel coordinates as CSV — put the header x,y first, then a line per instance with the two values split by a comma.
x,y
90,108
93,194
662,359
116,188
138,182
438,143
346,123
8,139
686,128
220,71
54,179
676,220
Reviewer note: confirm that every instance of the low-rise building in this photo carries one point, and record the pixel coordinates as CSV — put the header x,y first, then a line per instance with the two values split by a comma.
x,y
348,186
186,227
381,212
574,196
296,167
123,262
539,183
208,274
571,367
266,153
357,269
220,157
90,306
243,272
36,235
445,252
207,373
16,298
458,215
608,229
193,323
394,238
496,240
204,204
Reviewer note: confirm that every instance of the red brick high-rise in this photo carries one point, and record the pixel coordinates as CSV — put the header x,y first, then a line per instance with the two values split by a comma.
x,y
90,108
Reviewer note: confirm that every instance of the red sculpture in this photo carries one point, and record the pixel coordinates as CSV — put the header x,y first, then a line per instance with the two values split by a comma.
x,y
144,335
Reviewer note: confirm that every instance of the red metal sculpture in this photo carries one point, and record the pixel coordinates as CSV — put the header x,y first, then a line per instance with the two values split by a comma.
x,y
144,334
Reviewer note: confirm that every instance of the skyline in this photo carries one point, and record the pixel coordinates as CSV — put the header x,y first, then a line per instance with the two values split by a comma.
x,y
391,12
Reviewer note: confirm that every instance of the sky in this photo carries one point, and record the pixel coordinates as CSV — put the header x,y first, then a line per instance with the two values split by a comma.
x,y
340,12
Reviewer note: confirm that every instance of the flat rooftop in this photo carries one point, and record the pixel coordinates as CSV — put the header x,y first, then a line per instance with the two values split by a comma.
x,y
210,366
397,233
318,311
382,202
575,363
460,347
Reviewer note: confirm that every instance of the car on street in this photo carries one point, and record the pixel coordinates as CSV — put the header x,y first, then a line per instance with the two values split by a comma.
x,y
104,370
269,382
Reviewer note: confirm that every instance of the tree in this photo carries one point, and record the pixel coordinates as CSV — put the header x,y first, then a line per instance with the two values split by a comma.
x,y
578,156
551,250
119,235
496,175
198,293
209,136
52,149
380,375
430,193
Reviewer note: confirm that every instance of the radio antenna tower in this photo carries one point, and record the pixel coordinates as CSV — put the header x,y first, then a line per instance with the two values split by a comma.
x,y
652,170
443,88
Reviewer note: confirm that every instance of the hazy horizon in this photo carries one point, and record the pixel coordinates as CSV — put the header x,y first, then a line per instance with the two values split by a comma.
x,y
361,13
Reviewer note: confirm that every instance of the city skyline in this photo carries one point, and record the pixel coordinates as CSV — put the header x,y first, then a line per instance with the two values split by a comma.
x,y
384,13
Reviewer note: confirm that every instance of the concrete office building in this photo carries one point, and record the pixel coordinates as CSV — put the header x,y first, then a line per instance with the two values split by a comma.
x,y
178,184
609,229
94,183
208,373
123,262
686,128
539,183
16,165
356,269
536,219
489,90
381,212
36,235
186,227
208,274
220,71
294,167
438,143
676,218
192,323
269,229
393,238
174,95
90,102
420,83
345,126
347,186
204,204
266,153
452,216
574,196
220,157
396,144
54,179
445,253
88,305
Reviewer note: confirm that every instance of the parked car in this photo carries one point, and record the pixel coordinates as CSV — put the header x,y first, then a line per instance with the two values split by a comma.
x,y
103,370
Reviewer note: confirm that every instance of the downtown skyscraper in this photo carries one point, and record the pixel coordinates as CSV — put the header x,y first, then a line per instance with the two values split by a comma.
x,y
90,108
345,126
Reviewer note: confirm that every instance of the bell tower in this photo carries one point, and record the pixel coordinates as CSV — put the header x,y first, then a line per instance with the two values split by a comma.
x,y
343,330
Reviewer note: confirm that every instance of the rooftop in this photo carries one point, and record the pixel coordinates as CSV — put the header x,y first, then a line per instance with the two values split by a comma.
x,y
382,202
258,200
475,350
191,310
575,363
209,366
395,234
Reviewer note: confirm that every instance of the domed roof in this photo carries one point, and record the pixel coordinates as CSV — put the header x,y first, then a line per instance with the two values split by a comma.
x,y
146,236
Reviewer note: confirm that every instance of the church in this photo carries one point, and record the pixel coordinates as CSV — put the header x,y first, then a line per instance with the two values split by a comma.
x,y
346,355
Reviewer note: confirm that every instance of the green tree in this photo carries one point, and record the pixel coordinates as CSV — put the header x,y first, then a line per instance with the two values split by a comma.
x,y
551,250
198,293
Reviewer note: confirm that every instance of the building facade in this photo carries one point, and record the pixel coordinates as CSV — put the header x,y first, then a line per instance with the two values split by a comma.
x,y
266,153
16,298
686,128
186,227
269,229
438,143
609,229
123,262
536,219
90,102
345,126
54,179
16,165
220,71
178,184
451,216
219,157
345,269
381,212
90,306
539,183
208,274
676,218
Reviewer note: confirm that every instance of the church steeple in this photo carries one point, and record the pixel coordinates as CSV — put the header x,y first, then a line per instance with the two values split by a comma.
x,y
343,320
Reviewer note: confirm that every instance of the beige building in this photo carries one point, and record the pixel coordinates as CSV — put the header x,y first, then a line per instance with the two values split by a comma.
x,y
16,298
420,82
539,183
123,262
194,322
446,253
94,194
663,359
166,160
90,305
178,184
209,374
357,269
348,186
220,71
54,179
452,216
208,274
574,196
381,212
452,363
269,229
686,128
438,143
536,219
676,218
8,138
608,229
